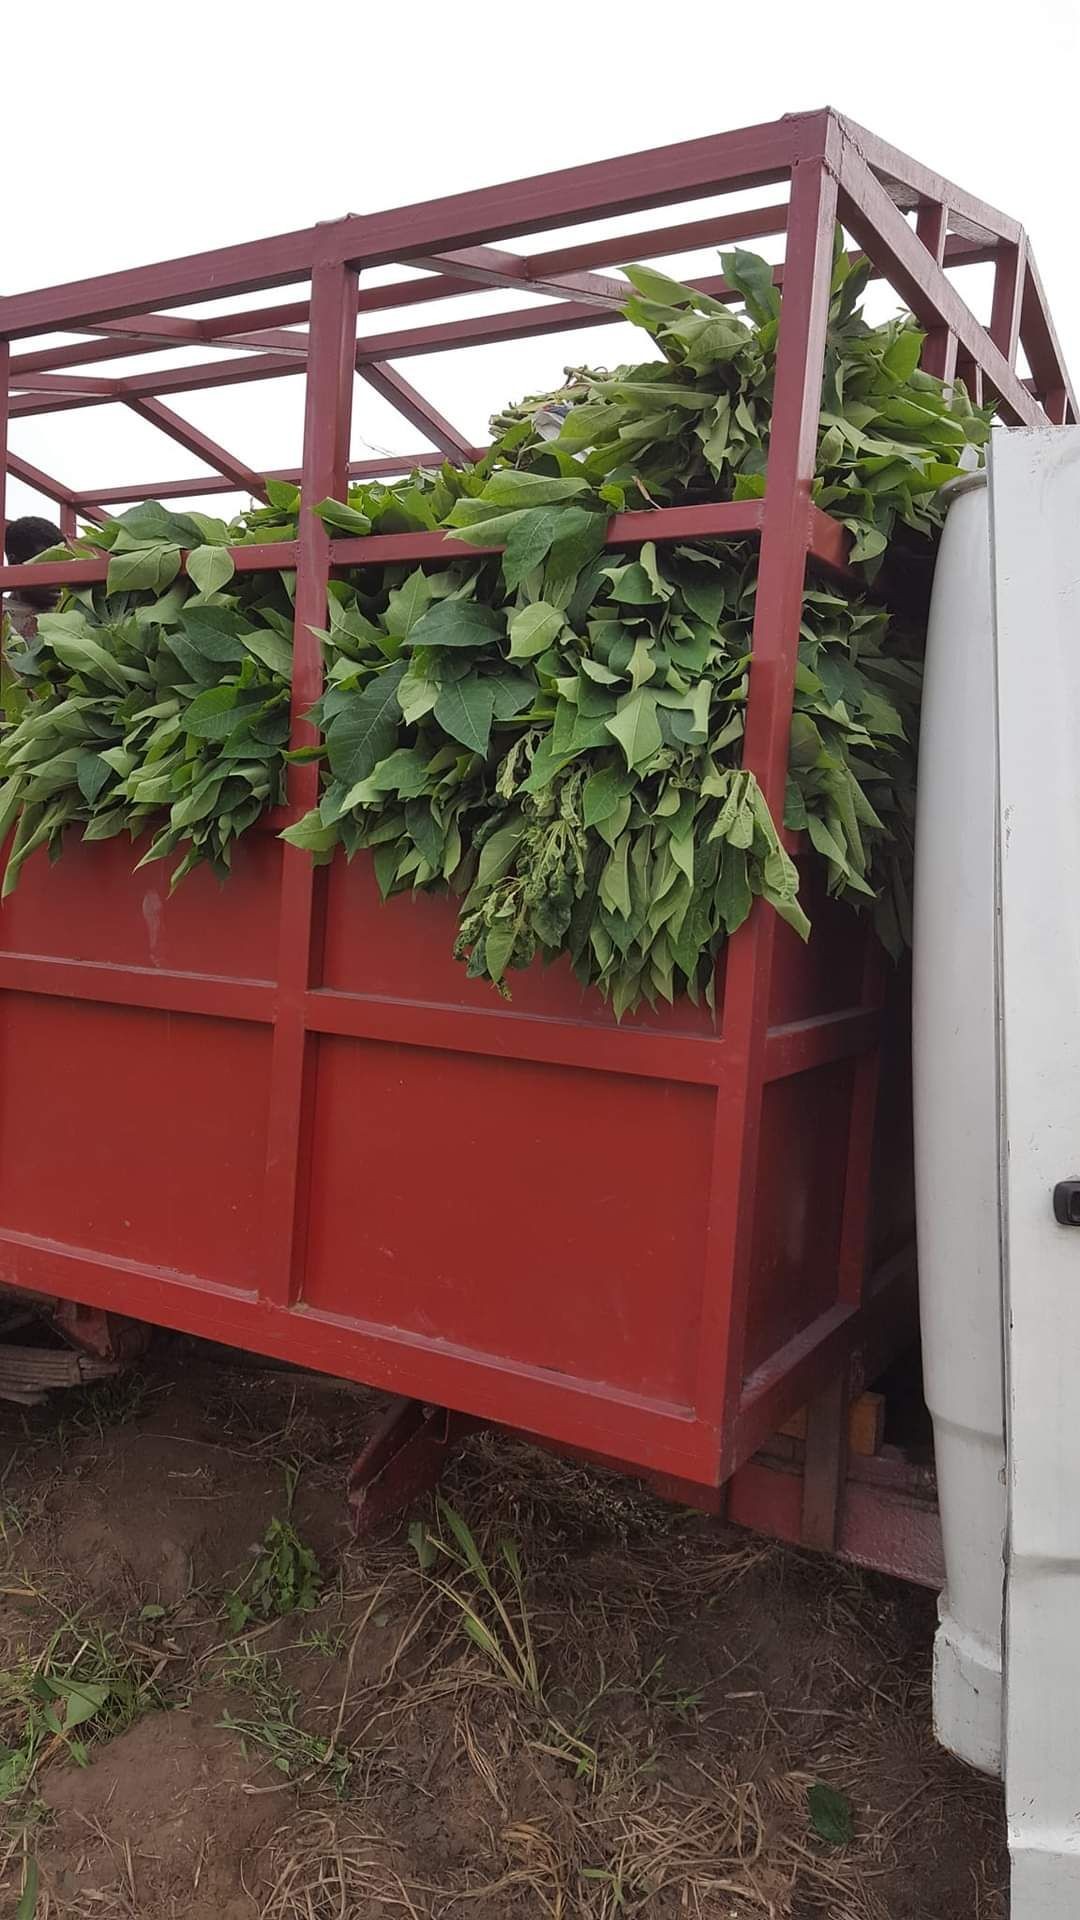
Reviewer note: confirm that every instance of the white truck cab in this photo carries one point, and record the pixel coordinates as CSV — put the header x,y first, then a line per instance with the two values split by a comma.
x,y
997,1059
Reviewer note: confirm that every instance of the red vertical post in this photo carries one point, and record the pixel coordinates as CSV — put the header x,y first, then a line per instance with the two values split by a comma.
x,y
781,577
5,395
860,1147
785,532
1009,273
69,525
327,423
939,347
970,372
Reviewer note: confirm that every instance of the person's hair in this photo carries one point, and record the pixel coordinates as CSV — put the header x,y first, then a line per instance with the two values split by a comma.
x,y
28,537
23,540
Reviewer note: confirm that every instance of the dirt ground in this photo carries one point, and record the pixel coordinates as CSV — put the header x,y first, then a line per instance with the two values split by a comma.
x,y
550,1696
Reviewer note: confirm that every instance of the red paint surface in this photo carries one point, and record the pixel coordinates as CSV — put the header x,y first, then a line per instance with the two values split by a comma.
x,y
540,1215
134,1133
96,908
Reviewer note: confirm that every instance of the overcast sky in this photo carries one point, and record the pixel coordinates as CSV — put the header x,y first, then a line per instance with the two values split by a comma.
x,y
133,133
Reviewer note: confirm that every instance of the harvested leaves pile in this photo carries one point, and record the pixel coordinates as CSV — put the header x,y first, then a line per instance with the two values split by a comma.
x,y
554,732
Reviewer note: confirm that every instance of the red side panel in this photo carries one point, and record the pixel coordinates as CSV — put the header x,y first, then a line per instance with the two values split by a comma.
x,y
798,1207
539,1215
134,1133
95,908
404,949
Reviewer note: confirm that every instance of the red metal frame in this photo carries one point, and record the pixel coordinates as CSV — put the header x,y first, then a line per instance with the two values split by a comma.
x,y
317,1021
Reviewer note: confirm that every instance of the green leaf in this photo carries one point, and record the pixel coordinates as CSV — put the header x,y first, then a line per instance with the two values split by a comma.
x,y
150,524
283,495
512,692
529,542
404,772
641,665
636,728
465,709
417,695
662,588
271,649
665,291
367,730
482,1635
211,568
216,632
311,835
533,629
497,854
733,895
425,832
831,1815
615,881
499,943
83,1699
511,488
142,569
215,714
462,1534
92,773
457,623
422,1545
902,358
602,793
869,542
28,1898
407,605
343,519
754,279
214,532
631,586
83,654
579,538
546,763
480,524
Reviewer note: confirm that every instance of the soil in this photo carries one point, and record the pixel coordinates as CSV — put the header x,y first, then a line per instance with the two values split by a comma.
x,y
167,1800
633,1728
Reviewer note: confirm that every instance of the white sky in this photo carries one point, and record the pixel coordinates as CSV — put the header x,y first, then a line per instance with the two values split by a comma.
x,y
135,133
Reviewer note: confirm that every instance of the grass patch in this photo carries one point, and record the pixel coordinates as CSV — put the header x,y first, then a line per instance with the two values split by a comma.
x,y
84,1685
269,1727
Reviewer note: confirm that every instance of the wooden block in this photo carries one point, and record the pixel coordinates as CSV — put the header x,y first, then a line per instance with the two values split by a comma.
x,y
866,1424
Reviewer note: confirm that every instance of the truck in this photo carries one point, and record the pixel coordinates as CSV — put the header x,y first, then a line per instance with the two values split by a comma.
x,y
708,1310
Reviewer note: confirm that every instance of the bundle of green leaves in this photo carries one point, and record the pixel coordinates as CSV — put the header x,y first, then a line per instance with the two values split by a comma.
x,y
555,734
572,770
154,704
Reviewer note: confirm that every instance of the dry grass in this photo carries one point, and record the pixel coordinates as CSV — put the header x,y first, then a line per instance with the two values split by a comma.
x,y
633,1803
684,1687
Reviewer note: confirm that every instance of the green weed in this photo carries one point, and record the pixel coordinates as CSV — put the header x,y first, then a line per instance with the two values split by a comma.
x,y
285,1578
498,1626
84,1686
